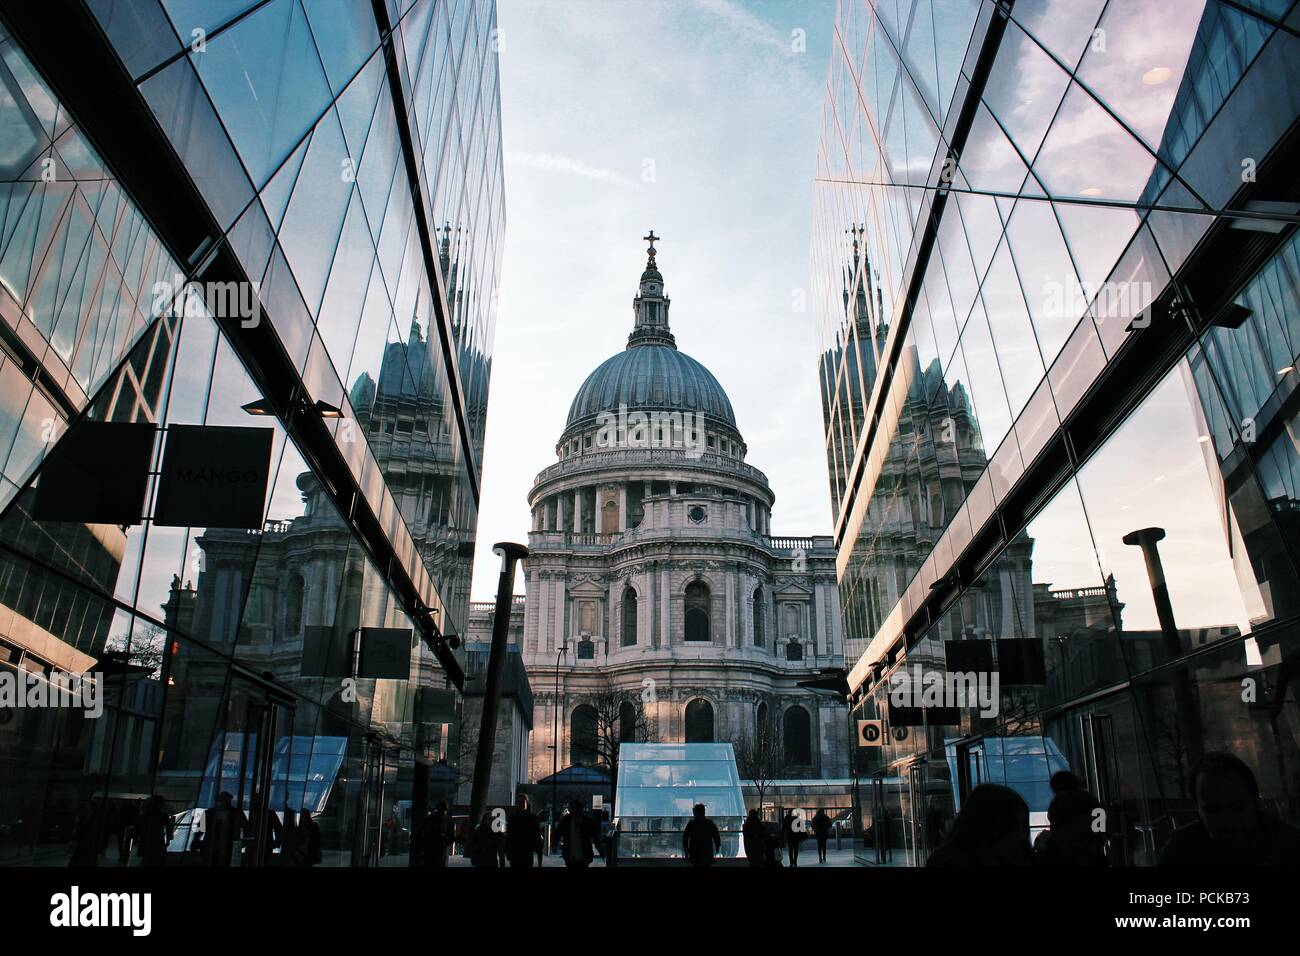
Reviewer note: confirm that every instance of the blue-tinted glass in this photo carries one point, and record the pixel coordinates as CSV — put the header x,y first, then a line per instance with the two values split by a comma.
x,y
1024,89
315,215
264,76
181,108
345,34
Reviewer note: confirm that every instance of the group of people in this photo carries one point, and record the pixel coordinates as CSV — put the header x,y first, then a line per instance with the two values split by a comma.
x,y
1232,828
230,838
223,836
762,848
515,838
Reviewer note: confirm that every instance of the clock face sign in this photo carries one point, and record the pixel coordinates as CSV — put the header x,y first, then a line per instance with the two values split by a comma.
x,y
871,733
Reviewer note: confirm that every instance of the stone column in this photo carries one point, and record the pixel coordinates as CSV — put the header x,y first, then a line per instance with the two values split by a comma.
x,y
577,511
819,617
665,602
728,626
543,616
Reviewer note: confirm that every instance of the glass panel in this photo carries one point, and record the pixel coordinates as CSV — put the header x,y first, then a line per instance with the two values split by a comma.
x,y
1157,521
264,77
1118,167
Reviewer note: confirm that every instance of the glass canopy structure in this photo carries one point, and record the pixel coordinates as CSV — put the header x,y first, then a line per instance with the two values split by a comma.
x,y
658,787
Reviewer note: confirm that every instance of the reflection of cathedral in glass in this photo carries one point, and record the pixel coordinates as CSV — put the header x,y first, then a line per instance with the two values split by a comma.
x,y
1060,397
282,689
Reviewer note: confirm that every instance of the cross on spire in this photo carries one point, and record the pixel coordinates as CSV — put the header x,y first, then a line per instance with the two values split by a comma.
x,y
651,239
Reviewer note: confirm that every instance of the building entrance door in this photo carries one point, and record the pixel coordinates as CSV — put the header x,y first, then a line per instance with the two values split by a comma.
x,y
916,841
972,766
369,843
257,721
880,825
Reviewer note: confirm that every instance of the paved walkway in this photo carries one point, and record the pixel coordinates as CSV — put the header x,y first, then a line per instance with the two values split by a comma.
x,y
807,859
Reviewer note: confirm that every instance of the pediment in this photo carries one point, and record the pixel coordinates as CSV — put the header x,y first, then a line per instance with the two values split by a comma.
x,y
792,592
588,588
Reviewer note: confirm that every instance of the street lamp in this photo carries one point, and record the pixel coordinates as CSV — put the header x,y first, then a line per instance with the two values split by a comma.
x,y
555,733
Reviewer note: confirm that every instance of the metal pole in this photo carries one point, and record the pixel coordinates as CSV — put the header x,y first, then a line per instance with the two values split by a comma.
x,y
555,735
511,554
1148,539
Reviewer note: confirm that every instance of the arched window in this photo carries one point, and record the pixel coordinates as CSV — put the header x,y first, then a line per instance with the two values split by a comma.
x,y
627,722
697,611
293,609
629,617
794,651
761,716
699,722
582,736
797,732
759,638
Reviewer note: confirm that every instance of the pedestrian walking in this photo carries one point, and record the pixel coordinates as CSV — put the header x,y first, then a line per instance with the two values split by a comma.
x,y
700,839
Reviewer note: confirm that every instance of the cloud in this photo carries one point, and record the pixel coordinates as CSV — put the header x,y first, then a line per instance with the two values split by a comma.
x,y
567,166
749,27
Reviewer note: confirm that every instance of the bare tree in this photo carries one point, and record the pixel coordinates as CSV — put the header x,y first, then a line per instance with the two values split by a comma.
x,y
620,717
759,756
145,647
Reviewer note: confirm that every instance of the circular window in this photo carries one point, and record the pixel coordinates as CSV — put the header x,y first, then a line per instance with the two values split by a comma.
x,y
697,514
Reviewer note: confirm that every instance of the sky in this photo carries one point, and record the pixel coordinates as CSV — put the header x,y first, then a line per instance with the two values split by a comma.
x,y
699,119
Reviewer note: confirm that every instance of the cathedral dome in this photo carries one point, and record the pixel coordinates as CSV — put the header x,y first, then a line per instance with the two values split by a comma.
x,y
648,377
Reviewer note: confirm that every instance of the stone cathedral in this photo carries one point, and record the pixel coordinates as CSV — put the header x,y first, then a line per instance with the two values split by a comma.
x,y
653,574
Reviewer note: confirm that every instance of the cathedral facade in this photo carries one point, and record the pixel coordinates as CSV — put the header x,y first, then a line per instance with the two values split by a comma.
x,y
654,583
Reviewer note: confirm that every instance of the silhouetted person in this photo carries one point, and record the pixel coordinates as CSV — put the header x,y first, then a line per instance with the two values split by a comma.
x,y
153,830
821,828
701,839
126,818
523,835
392,834
288,838
306,845
439,834
1233,829
264,836
1077,834
884,833
86,835
992,829
1061,782
758,849
577,833
792,835
481,844
224,825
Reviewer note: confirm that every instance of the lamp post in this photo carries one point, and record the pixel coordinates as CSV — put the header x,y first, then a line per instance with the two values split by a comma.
x,y
510,555
555,733
1185,710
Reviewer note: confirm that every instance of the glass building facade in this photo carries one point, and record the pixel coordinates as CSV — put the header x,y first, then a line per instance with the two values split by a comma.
x,y
279,218
1058,281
